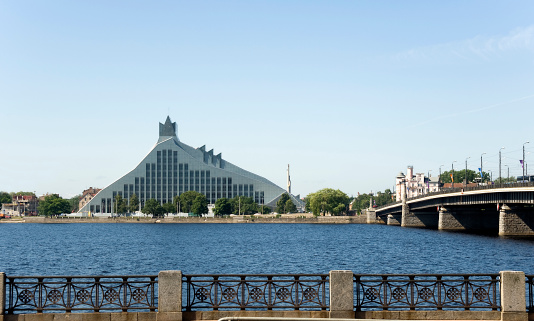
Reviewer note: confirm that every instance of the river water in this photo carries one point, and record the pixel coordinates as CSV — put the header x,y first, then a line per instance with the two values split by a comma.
x,y
116,249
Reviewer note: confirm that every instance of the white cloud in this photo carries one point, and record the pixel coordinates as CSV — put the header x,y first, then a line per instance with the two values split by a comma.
x,y
476,48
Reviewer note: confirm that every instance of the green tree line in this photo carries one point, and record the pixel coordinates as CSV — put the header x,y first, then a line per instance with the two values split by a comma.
x,y
362,201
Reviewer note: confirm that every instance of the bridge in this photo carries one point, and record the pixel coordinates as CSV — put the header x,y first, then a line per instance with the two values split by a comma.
x,y
506,209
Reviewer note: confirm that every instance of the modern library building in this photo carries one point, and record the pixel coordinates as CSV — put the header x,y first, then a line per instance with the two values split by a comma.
x,y
172,168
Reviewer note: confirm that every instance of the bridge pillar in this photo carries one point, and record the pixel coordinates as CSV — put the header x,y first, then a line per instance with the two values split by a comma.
x,y
405,212
394,219
448,221
516,221
420,219
371,216
169,296
466,218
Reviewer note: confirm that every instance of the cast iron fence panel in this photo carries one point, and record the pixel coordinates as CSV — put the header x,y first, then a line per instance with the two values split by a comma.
x,y
259,292
529,283
427,292
80,293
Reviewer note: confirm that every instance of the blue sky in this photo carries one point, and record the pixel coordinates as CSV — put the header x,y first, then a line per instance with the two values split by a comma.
x,y
347,92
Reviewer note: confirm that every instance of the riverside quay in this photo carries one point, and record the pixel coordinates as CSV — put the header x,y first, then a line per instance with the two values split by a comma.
x,y
172,295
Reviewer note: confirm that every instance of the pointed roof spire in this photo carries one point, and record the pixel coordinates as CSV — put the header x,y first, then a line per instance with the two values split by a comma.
x,y
168,129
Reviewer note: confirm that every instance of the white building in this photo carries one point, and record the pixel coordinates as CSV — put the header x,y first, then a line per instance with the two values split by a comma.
x,y
416,185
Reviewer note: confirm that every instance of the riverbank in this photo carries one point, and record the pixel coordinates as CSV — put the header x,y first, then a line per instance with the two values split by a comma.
x,y
287,218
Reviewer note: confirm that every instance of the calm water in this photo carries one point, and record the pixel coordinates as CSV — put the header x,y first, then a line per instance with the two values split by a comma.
x,y
110,249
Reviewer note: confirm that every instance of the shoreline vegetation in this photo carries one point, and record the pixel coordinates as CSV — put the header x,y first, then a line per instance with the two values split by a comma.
x,y
284,218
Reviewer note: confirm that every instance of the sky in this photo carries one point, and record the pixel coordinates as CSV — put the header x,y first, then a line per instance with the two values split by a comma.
x,y
348,93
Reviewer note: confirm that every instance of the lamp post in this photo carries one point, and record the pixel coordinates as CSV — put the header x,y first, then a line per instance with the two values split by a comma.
x,y
491,175
439,178
481,171
466,170
523,163
428,182
500,177
508,179
452,174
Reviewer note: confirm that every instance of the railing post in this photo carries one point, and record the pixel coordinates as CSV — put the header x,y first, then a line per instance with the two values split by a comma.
x,y
169,296
341,294
513,302
2,293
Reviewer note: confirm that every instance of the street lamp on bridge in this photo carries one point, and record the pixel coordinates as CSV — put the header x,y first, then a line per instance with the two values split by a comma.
x,y
481,172
523,163
508,179
452,174
500,177
466,170
439,178
428,182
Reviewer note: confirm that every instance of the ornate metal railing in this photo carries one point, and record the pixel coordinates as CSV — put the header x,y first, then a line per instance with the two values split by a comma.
x,y
427,292
261,291
529,283
81,293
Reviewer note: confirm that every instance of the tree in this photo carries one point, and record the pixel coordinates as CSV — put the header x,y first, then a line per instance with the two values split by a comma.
x,y
459,176
134,203
290,207
74,203
23,194
307,203
177,203
186,200
5,198
328,201
168,208
362,201
383,198
506,180
264,209
281,203
244,205
120,205
153,207
53,205
200,205
222,207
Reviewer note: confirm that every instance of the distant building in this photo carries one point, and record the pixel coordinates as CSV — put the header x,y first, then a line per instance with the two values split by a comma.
x,y
172,168
416,185
21,205
88,195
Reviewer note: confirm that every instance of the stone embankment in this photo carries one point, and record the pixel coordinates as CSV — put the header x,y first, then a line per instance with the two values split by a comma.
x,y
286,218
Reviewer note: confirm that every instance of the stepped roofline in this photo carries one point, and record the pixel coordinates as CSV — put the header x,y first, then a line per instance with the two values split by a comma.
x,y
166,130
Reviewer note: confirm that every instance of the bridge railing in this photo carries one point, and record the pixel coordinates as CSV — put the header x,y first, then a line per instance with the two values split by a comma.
x,y
427,292
458,190
529,284
261,291
80,293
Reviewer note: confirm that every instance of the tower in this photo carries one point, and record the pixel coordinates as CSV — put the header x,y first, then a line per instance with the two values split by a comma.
x,y
288,180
